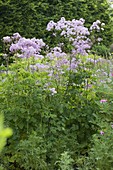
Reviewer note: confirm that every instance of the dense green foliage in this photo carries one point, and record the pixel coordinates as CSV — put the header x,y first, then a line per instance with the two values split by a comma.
x,y
45,125
30,18
101,50
69,129
58,104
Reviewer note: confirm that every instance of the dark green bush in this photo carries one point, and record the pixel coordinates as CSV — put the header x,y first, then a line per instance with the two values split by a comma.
x,y
101,50
61,122
30,18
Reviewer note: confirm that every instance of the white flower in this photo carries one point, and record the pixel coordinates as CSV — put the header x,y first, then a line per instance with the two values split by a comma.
x,y
53,91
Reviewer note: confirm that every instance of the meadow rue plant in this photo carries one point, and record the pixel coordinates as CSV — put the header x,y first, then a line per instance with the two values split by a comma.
x,y
52,95
77,38
95,26
7,39
93,61
27,47
100,155
10,39
55,107
24,47
77,34
58,60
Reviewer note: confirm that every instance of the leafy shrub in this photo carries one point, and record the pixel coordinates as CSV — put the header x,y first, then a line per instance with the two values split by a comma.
x,y
100,156
65,162
32,153
38,14
101,50
61,110
100,152
49,101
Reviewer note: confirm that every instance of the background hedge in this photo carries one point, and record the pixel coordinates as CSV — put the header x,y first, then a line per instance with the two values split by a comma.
x,y
30,18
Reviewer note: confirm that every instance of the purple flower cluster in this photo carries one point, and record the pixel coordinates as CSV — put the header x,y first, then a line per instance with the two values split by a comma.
x,y
56,52
54,64
53,91
76,32
9,39
97,25
67,28
39,66
103,100
58,60
102,132
80,46
27,47
94,61
24,47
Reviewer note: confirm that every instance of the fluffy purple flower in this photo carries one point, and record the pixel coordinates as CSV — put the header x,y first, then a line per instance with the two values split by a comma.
x,y
99,39
57,49
42,67
73,65
16,36
95,25
103,100
33,67
26,47
56,52
14,48
90,60
53,91
76,33
50,25
101,132
102,24
7,39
